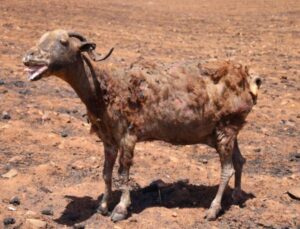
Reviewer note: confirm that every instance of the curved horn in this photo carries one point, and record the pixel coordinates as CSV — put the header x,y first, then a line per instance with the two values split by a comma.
x,y
77,35
96,57
92,54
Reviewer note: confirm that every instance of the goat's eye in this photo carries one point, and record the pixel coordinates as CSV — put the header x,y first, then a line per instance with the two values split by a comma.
x,y
64,41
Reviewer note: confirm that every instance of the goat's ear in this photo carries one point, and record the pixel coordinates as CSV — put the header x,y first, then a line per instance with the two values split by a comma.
x,y
86,46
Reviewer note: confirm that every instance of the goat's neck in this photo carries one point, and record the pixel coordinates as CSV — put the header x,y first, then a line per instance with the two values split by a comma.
x,y
80,78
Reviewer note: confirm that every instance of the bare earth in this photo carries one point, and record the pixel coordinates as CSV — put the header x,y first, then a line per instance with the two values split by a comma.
x,y
59,165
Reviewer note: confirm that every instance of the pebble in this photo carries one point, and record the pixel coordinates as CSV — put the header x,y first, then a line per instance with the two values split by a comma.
x,y
10,174
15,159
78,165
174,214
31,215
294,192
45,118
35,223
4,91
64,134
5,115
133,220
47,211
2,82
257,150
204,161
183,181
9,220
24,92
19,83
11,208
15,200
45,189
79,226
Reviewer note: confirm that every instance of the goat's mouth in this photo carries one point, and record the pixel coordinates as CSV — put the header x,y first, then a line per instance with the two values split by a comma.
x,y
35,72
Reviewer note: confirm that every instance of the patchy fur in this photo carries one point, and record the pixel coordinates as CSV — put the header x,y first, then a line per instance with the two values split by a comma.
x,y
181,103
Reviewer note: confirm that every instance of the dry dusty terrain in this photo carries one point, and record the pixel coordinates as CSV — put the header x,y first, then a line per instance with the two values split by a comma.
x,y
44,135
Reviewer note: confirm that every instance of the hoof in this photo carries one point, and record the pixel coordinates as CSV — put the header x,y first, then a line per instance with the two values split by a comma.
x,y
119,213
102,209
212,213
237,196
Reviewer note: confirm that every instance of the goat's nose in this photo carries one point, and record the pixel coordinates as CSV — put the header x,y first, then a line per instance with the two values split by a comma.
x,y
27,57
25,60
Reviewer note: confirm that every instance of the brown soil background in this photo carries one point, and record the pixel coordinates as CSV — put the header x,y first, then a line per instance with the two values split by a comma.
x,y
64,173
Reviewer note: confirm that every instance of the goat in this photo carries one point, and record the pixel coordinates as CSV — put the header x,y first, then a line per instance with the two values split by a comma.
x,y
180,103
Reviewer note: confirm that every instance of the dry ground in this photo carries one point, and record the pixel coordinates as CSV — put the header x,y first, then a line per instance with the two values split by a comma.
x,y
59,164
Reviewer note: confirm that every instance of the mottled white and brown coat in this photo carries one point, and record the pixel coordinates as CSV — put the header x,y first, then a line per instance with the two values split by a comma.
x,y
181,103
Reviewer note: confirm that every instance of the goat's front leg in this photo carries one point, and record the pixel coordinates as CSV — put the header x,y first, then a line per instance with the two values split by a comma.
x,y
126,147
225,143
238,162
111,153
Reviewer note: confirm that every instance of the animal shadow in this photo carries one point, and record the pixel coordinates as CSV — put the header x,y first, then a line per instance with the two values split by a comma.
x,y
180,194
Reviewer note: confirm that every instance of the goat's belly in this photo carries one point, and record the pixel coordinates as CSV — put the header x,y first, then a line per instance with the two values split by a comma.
x,y
178,133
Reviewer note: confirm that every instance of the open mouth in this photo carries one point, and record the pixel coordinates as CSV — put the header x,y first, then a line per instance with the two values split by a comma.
x,y
36,72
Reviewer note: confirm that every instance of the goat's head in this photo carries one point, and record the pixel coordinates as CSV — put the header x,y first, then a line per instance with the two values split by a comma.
x,y
57,50
254,82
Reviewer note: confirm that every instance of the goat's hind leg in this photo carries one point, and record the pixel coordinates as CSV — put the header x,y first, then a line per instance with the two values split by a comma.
x,y
127,147
111,153
238,162
225,143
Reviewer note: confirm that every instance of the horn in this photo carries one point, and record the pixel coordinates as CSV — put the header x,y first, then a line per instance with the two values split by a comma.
x,y
96,57
77,35
92,54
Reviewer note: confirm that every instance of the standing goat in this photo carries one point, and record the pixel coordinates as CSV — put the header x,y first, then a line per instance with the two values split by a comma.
x,y
183,103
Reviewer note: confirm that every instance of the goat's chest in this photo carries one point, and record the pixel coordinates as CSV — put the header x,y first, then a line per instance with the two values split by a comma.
x,y
103,128
97,127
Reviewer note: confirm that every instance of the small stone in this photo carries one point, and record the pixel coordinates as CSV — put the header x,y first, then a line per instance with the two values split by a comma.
x,y
78,165
45,118
9,220
10,174
19,83
204,161
36,223
174,214
183,181
11,208
31,215
2,82
4,91
15,200
295,156
15,159
47,211
5,115
24,92
45,189
257,150
117,227
294,193
79,226
283,77
64,134
133,220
